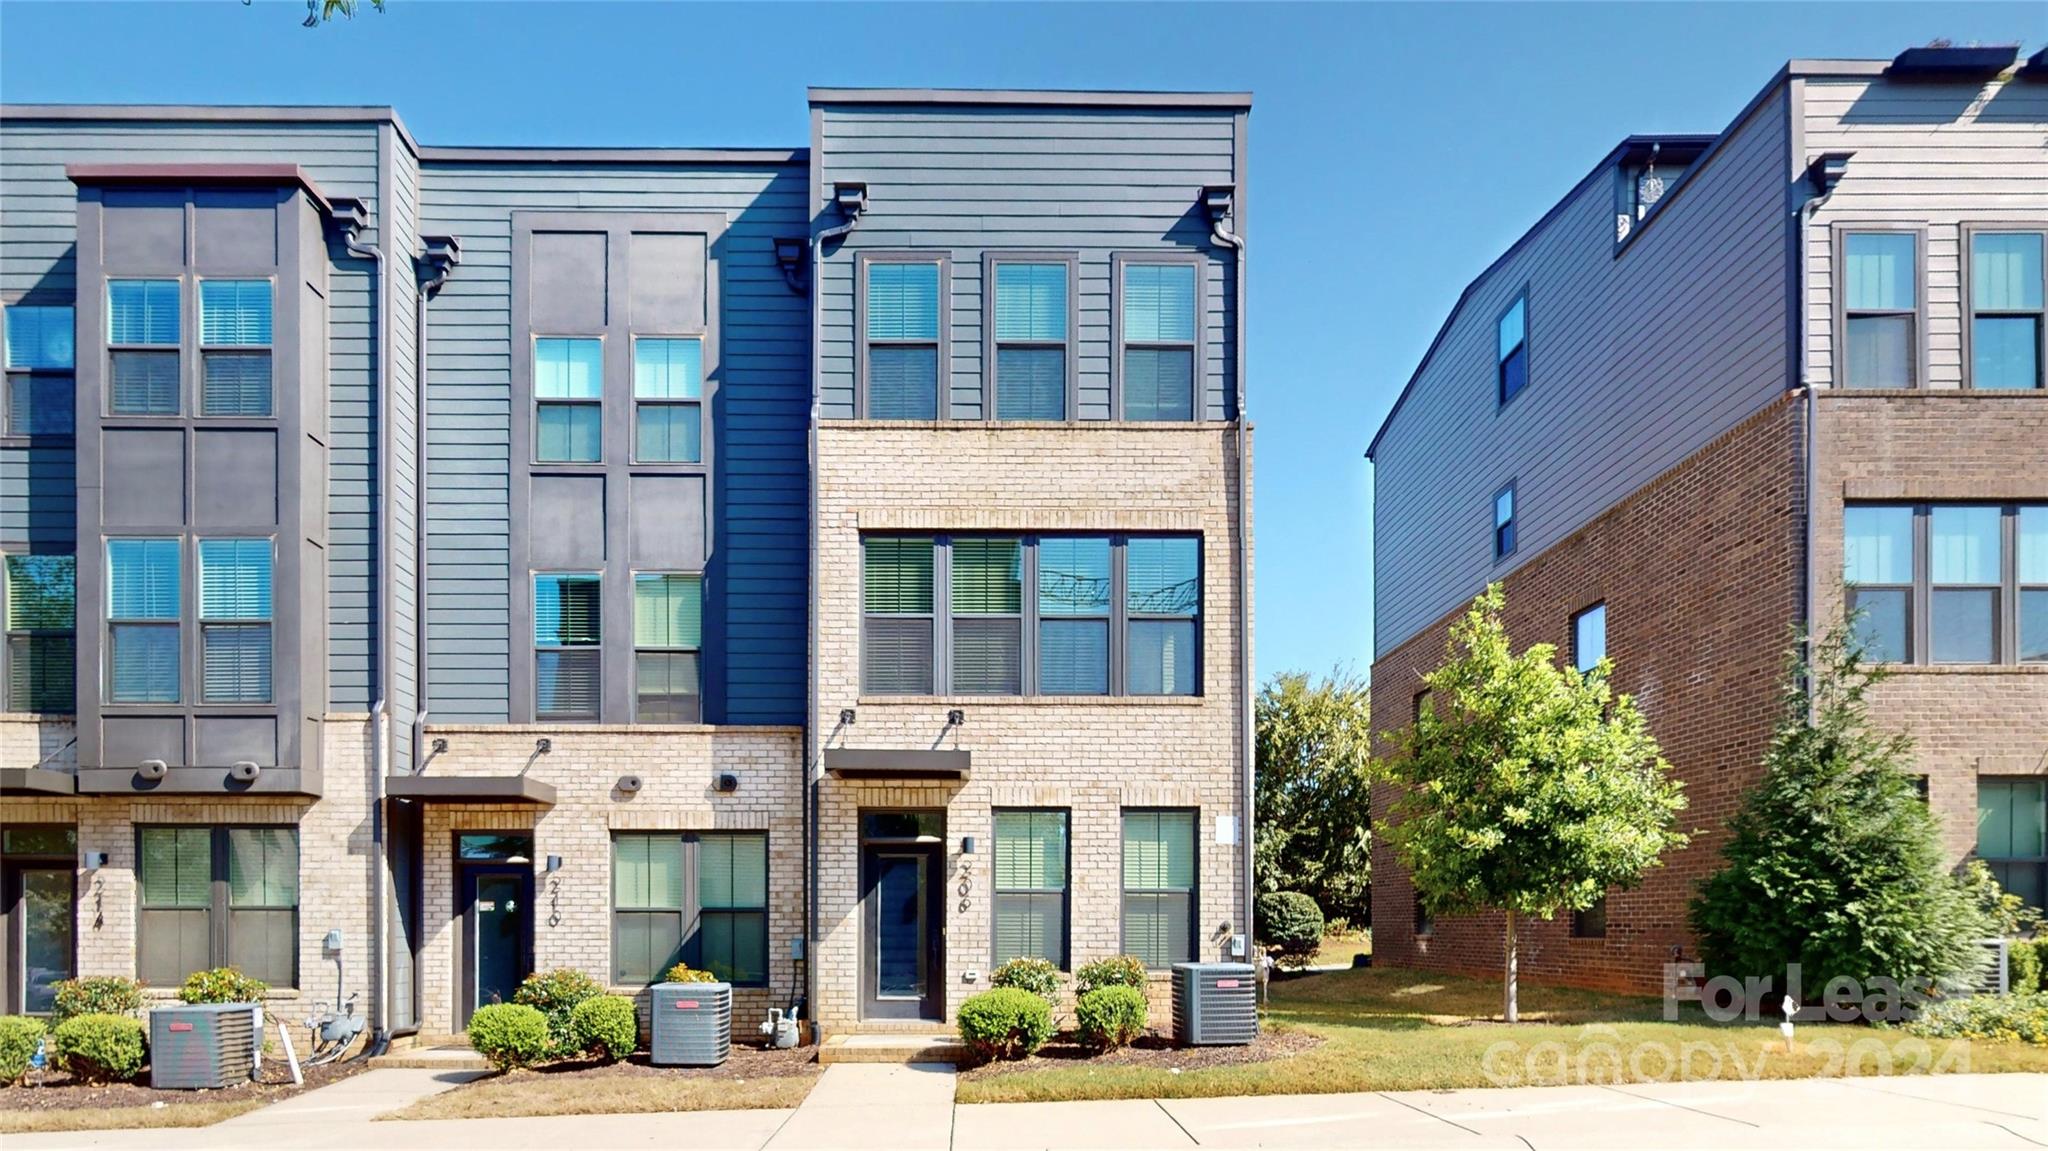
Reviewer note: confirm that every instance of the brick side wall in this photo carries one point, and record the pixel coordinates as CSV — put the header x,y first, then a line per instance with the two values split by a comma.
x,y
1701,574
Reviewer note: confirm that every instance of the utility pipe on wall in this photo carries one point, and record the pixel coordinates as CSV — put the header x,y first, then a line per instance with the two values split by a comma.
x,y
1219,230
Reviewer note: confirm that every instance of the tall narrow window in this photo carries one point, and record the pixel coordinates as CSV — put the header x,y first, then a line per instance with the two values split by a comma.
x,y
1162,598
902,303
1031,886
2006,309
1073,615
174,937
1031,341
568,646
1504,522
1590,922
1589,637
732,894
42,610
1511,360
1877,566
142,621
142,347
648,907
1159,326
40,386
1159,886
234,620
568,395
988,616
2012,834
668,401
2033,589
1965,563
1880,309
263,902
668,633
897,622
234,347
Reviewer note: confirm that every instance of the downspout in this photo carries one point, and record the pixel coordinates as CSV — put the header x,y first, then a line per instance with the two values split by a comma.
x,y
437,260
1823,174
1219,230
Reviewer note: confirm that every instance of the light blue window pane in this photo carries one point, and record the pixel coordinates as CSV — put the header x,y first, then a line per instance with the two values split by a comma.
x,y
142,312
2034,544
39,337
1159,303
142,579
568,369
1159,384
569,433
668,369
234,312
1514,328
1031,383
1589,637
903,383
669,433
1073,657
1880,273
1504,508
903,301
1073,575
234,579
1160,575
1877,545
2005,352
1964,546
1031,301
1162,657
2005,271
567,610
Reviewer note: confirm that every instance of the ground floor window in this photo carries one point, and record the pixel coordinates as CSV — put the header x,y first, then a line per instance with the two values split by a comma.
x,y
1591,922
1159,886
696,898
1031,886
216,897
2012,835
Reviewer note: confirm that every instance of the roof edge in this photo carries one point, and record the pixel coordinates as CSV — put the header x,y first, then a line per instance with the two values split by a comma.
x,y
1075,98
780,157
264,175
219,113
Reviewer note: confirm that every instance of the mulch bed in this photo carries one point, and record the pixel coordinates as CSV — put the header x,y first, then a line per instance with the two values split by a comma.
x,y
743,1063
56,1091
1156,1052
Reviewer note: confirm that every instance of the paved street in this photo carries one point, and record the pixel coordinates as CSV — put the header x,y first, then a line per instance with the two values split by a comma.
x,y
910,1108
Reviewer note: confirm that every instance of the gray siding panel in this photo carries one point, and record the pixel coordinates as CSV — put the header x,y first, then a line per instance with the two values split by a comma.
x,y
1636,362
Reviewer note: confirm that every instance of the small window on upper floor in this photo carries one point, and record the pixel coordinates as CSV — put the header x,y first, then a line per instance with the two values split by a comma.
x,y
1030,346
1504,522
1589,637
668,637
2007,288
1512,352
568,400
568,645
142,347
1880,309
1160,341
40,386
668,401
901,337
234,347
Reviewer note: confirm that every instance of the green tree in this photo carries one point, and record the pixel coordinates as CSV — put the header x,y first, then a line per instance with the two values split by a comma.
x,y
1525,787
1835,862
1313,791
319,12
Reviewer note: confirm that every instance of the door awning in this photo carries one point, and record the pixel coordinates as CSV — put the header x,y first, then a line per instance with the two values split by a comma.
x,y
36,781
471,789
890,763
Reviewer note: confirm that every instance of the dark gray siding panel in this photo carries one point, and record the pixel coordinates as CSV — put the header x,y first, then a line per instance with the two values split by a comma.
x,y
1635,362
756,616
402,180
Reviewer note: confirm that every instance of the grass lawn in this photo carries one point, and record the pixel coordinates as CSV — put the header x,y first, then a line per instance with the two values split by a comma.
x,y
1339,946
1386,1029
94,1119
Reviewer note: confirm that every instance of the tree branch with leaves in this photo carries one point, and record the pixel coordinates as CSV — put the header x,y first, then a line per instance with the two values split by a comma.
x,y
1314,791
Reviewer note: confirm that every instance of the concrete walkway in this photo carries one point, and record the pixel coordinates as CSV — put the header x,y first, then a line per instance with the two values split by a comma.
x,y
872,1105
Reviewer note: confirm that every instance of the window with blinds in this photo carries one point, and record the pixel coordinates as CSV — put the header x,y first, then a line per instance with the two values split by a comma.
x,y
988,616
732,891
142,347
143,597
897,615
2008,304
1073,615
696,898
1162,583
218,896
42,610
901,303
668,633
648,904
263,902
1159,886
568,645
568,400
1030,325
234,620
40,384
234,347
668,401
1880,286
1158,334
1031,886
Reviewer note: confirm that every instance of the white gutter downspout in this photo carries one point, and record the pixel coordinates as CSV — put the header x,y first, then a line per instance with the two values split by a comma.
x,y
1241,432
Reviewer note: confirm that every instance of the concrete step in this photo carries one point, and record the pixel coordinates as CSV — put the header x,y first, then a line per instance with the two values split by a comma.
x,y
450,1057
883,1047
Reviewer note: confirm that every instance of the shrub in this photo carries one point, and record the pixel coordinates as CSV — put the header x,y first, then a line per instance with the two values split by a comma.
x,y
1116,971
1291,924
2022,966
2040,947
509,1035
1111,1017
222,985
555,995
1005,1023
684,973
2009,1017
606,1026
96,995
100,1048
1030,973
19,1036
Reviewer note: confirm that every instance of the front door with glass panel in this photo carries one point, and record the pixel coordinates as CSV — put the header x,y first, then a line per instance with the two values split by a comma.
x,y
497,918
902,927
38,884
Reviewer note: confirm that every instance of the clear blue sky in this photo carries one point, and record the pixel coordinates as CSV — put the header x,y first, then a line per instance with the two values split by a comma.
x,y
1396,149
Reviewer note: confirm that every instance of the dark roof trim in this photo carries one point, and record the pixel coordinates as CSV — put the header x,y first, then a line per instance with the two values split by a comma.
x,y
265,175
1947,63
471,789
1705,158
868,763
2037,66
36,781
1023,98
217,113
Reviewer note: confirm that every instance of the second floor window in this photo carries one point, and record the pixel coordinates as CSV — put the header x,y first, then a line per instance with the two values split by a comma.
x,y
1589,637
1159,341
1504,522
234,347
1162,599
668,401
1511,361
143,600
1031,340
1932,583
42,601
897,621
1073,615
2033,580
2006,309
234,620
142,347
988,616
568,645
668,633
902,337
568,399
40,385
1880,309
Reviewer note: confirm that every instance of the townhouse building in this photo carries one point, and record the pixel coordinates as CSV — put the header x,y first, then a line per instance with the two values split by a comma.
x,y
828,566
1730,386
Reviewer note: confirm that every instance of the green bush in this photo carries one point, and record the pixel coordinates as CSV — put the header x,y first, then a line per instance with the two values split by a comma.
x,y
684,973
1005,1023
509,1035
222,985
1111,1017
2040,946
1291,924
2022,966
1030,973
606,1026
1116,971
96,995
2005,1017
555,995
19,1035
100,1048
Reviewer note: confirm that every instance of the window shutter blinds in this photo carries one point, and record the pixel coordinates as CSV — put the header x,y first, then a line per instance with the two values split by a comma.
x,y
263,867
1031,383
143,579
1160,575
234,312
903,301
144,383
41,592
898,574
144,663
142,312
568,369
177,866
41,673
668,369
1880,275
1159,303
236,384
898,656
988,576
237,663
42,405
668,611
1159,383
2005,272
902,383
234,579
1073,656
567,682
567,610
988,657
1031,302
1073,575
39,337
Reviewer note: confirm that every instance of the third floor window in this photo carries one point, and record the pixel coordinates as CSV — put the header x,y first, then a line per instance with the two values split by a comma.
x,y
1160,338
1880,309
39,366
2007,289
902,340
